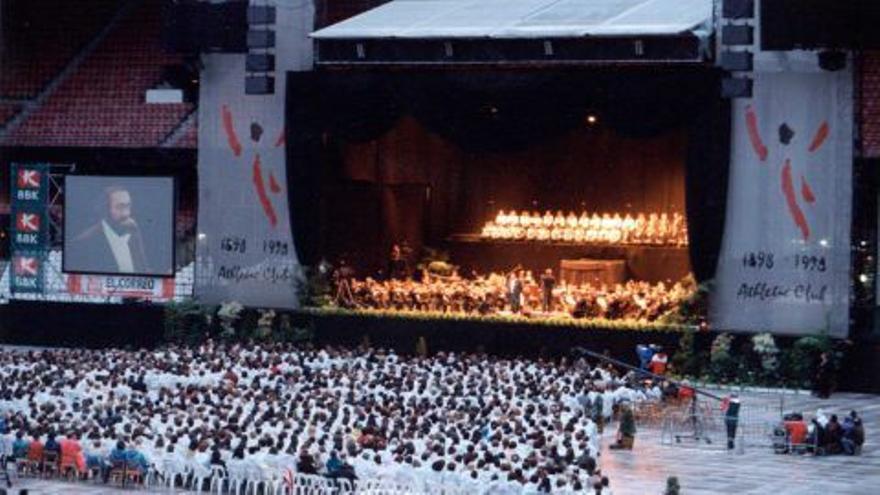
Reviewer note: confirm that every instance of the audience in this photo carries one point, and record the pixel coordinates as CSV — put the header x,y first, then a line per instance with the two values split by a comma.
x,y
336,412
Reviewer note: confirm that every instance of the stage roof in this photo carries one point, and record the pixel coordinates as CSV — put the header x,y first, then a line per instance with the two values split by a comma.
x,y
415,25
523,19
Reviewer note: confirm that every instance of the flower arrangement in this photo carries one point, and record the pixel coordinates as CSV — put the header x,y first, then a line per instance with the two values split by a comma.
x,y
765,347
264,324
229,313
721,346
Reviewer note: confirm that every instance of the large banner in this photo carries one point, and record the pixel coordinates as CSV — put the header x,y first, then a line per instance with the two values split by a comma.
x,y
245,249
152,288
29,226
785,259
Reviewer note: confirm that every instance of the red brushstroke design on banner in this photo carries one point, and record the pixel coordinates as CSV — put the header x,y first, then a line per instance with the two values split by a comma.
x,y
807,192
754,135
273,184
231,137
820,137
788,191
261,191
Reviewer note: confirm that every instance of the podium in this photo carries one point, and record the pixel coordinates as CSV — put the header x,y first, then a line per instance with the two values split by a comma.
x,y
592,271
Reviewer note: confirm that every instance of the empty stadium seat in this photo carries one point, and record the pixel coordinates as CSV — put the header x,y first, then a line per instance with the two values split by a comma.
x,y
102,103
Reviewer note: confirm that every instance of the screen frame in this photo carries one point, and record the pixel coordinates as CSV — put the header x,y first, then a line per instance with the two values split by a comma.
x,y
174,207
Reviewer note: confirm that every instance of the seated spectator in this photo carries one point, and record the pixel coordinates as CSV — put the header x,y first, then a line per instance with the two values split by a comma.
x,y
334,464
833,436
21,447
95,456
122,458
306,464
137,460
217,457
72,454
35,450
797,432
52,444
853,434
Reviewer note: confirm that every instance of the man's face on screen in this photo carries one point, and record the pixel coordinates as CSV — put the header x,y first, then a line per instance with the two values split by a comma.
x,y
120,208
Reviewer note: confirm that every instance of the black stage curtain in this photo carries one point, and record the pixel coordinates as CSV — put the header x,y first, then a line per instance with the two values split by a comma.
x,y
369,127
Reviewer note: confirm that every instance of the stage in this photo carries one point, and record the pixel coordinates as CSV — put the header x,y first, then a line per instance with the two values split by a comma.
x,y
649,263
420,157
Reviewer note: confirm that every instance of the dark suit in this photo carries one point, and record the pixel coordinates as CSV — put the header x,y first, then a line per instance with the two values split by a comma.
x,y
547,284
515,292
90,252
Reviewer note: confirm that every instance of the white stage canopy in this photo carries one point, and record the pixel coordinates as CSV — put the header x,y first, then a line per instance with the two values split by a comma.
x,y
521,31
517,19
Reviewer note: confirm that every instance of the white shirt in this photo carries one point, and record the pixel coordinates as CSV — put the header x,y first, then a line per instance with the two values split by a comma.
x,y
120,248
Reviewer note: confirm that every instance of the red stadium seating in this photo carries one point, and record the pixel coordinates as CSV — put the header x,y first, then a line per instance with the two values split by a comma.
x,y
328,12
190,139
103,103
870,99
7,111
42,37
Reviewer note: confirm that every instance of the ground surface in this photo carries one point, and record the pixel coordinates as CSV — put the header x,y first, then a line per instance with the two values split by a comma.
x,y
703,468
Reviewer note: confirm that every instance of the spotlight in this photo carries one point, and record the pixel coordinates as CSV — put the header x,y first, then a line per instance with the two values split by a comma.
x,y
592,119
863,278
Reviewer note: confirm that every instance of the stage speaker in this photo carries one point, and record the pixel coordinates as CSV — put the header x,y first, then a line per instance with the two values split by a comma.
x,y
259,85
736,87
261,14
259,62
832,60
738,9
260,38
736,61
737,34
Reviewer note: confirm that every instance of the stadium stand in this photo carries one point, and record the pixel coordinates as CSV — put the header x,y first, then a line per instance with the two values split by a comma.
x,y
870,109
102,104
190,137
7,111
328,12
43,37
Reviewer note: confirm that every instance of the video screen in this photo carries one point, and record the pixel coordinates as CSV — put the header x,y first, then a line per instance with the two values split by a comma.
x,y
119,225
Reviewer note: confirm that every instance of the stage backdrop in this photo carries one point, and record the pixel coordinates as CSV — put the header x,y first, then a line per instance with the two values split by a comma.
x,y
245,248
785,259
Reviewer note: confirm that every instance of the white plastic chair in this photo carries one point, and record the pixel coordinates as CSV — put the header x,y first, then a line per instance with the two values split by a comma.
x,y
170,471
254,478
200,474
345,486
219,479
236,476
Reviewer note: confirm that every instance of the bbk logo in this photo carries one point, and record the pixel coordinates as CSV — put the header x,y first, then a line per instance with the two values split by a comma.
x,y
27,222
28,179
27,266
